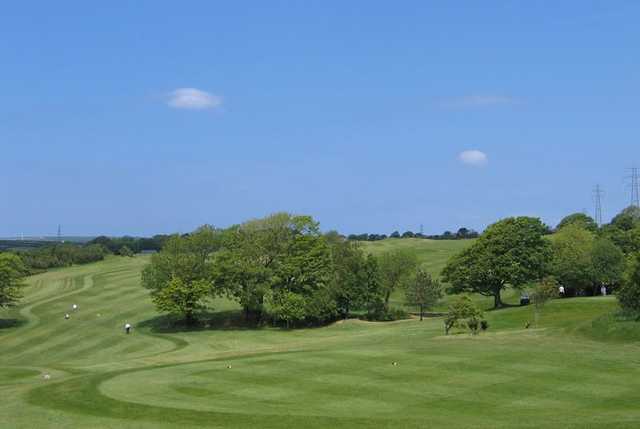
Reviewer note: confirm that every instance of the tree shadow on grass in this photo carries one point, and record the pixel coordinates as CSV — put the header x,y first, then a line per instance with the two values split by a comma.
x,y
11,323
505,306
229,320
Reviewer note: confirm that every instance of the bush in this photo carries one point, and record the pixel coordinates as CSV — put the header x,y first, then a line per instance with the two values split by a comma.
x,y
484,325
463,313
473,325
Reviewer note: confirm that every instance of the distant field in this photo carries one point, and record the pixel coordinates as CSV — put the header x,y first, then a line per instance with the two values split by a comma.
x,y
559,374
433,254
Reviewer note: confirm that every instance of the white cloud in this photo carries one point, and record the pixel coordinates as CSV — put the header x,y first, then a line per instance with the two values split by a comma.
x,y
192,98
478,101
473,157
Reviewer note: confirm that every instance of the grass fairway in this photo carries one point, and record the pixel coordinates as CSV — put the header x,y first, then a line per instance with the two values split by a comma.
x,y
556,375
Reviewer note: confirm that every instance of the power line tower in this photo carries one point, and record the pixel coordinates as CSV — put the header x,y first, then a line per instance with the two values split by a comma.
x,y
597,196
59,232
421,229
635,187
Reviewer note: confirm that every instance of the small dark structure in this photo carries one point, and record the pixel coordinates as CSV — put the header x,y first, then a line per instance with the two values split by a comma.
x,y
524,299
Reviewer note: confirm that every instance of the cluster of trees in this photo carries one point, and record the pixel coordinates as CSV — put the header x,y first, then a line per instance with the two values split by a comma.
x,y
48,255
583,260
581,256
587,256
14,245
281,269
128,245
61,255
461,234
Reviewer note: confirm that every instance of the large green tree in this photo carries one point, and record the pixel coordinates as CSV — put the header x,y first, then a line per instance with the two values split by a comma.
x,y
177,273
572,263
273,256
396,267
12,273
608,263
510,253
355,277
180,297
423,291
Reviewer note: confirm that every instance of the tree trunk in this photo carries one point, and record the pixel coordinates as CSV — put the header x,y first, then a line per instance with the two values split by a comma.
x,y
497,301
421,311
189,319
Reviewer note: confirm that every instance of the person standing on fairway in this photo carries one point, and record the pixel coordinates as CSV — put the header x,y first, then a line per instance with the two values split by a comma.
x,y
561,291
127,328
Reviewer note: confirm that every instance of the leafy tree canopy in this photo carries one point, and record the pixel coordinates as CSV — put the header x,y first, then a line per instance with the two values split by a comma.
x,y
278,254
579,219
355,276
608,262
12,272
463,313
177,275
423,291
511,252
396,267
572,257
629,293
627,219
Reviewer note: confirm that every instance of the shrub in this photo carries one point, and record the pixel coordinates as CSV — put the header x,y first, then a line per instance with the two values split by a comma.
x,y
463,313
473,325
484,325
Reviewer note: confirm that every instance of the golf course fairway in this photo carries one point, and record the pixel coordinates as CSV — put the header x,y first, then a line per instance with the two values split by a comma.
x,y
558,373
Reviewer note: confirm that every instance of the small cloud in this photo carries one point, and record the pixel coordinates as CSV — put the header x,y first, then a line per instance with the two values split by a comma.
x,y
192,98
473,157
478,101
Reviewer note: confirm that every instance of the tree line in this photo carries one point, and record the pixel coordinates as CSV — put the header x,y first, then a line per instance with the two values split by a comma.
x,y
580,256
127,244
461,234
60,255
48,255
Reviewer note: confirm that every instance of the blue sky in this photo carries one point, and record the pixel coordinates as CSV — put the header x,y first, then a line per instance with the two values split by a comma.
x,y
148,117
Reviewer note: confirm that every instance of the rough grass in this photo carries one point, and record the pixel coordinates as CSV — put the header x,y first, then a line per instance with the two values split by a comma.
x,y
556,374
